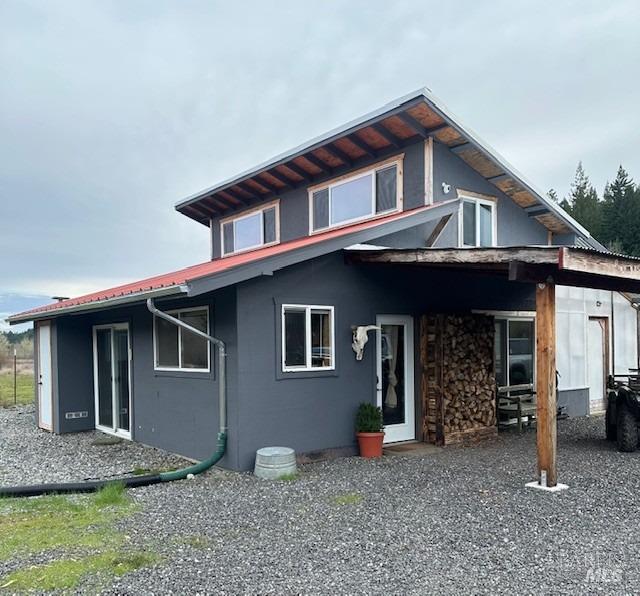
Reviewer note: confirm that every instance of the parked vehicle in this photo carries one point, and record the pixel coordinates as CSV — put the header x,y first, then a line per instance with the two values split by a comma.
x,y
623,410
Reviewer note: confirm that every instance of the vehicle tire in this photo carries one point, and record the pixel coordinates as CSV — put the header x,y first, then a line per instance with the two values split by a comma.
x,y
610,423
627,430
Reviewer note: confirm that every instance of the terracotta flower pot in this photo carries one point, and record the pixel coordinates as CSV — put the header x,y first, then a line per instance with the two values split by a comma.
x,y
370,444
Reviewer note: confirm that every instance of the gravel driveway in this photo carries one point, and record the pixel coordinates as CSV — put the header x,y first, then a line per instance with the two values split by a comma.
x,y
456,521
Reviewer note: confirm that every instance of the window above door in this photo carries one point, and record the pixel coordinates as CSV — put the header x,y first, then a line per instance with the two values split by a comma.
x,y
253,229
477,223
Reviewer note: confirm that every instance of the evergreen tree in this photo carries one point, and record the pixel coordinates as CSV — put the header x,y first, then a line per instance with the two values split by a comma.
x,y
583,203
620,214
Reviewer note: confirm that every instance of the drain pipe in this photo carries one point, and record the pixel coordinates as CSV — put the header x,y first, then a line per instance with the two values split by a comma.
x,y
222,397
148,479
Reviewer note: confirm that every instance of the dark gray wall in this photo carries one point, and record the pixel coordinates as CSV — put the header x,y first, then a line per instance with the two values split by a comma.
x,y
294,204
311,413
515,227
176,411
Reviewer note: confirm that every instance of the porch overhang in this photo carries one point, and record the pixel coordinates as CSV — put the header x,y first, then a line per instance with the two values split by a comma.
x,y
560,265
545,267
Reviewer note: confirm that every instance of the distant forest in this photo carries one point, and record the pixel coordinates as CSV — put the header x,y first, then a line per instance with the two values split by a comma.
x,y
614,218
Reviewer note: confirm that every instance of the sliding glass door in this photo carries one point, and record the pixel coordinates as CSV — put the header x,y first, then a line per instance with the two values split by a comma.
x,y
112,378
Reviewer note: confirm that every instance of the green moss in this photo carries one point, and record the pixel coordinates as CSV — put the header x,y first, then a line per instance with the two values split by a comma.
x,y
68,573
347,499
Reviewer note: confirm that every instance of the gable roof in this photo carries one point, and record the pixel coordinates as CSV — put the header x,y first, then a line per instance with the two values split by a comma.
x,y
415,116
211,275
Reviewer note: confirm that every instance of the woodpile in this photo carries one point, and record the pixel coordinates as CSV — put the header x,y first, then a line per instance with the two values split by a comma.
x,y
458,380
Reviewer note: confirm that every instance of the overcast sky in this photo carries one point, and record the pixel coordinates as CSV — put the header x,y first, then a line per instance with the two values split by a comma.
x,y
110,112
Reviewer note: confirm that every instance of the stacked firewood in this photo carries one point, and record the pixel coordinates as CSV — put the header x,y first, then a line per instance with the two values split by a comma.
x,y
468,373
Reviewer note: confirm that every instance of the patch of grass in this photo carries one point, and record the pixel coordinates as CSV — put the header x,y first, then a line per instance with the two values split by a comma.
x,y
290,477
24,386
67,573
347,499
39,524
112,494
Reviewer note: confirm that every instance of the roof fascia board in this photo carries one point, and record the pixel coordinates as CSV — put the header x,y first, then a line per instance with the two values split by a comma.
x,y
107,303
272,264
389,109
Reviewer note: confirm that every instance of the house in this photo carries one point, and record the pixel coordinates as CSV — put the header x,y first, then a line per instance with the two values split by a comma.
x,y
403,220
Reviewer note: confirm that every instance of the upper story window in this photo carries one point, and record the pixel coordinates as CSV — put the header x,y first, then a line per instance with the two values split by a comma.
x,y
477,221
179,349
307,338
259,227
355,197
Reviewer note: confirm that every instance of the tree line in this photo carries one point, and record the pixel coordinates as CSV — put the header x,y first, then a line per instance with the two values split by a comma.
x,y
614,218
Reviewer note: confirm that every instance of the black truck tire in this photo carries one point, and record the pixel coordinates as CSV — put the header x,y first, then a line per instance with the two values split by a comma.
x,y
610,428
627,430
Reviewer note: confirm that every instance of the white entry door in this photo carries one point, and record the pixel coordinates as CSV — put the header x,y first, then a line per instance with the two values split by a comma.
x,y
395,377
112,379
45,394
597,367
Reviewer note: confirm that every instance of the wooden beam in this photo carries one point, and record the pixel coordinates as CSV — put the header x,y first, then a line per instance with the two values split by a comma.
x,y
387,134
318,162
255,195
546,384
339,153
435,234
413,124
278,176
358,142
497,178
294,167
267,185
460,147
233,194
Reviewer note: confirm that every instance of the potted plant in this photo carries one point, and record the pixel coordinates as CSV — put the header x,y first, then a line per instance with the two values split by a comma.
x,y
369,430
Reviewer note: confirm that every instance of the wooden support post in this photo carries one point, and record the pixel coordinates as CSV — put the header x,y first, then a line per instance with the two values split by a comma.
x,y
546,383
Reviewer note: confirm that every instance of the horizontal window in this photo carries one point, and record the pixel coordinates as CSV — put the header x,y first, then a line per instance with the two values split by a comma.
x,y
477,223
359,197
180,349
307,338
255,229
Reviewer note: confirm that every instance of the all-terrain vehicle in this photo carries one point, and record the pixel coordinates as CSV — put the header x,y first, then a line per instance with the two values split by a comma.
x,y
623,410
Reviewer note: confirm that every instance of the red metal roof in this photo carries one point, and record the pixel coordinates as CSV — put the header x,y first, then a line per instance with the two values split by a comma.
x,y
184,276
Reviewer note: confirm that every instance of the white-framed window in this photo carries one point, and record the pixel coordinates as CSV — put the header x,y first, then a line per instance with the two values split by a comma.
x,y
308,334
477,224
258,227
357,196
176,348
514,345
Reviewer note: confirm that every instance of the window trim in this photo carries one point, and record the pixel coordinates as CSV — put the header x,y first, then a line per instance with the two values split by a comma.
x,y
176,313
477,201
244,215
307,308
397,160
515,315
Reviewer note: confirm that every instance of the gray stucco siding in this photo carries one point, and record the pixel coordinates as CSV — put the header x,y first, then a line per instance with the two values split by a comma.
x,y
515,227
317,413
176,411
294,204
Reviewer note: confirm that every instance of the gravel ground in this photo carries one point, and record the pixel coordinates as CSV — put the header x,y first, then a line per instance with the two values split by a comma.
x,y
31,456
456,521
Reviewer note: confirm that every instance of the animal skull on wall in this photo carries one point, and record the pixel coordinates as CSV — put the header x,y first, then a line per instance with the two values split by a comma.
x,y
360,338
